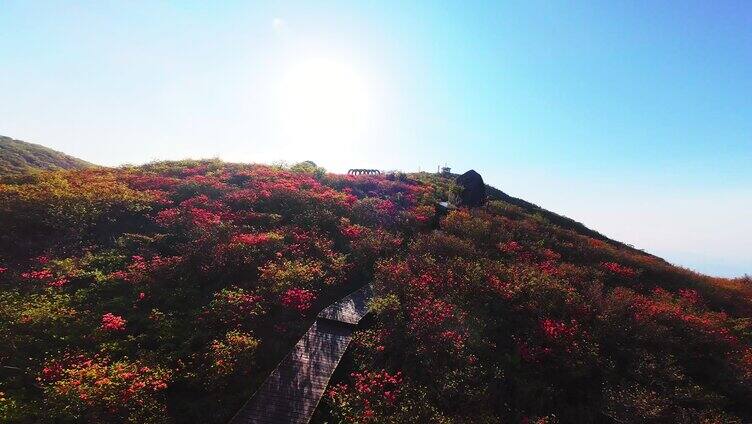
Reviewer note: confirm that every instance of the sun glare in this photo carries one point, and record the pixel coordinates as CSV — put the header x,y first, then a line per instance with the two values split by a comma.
x,y
323,104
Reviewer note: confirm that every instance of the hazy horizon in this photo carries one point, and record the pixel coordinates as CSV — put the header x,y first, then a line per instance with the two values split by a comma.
x,y
632,118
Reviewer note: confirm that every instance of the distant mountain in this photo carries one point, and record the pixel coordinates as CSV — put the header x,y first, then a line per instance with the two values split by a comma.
x,y
18,156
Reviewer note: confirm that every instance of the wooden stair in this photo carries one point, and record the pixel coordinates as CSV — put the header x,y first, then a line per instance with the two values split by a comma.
x,y
293,390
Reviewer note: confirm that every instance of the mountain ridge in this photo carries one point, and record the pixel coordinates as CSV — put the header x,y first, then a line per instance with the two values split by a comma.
x,y
18,157
166,292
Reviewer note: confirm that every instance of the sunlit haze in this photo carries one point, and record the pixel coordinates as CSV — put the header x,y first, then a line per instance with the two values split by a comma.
x,y
633,118
322,104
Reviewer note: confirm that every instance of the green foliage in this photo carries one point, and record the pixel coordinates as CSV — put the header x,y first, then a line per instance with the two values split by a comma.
x,y
18,157
384,304
309,167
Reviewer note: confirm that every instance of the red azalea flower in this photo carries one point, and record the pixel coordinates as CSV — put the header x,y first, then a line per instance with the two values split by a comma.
x,y
618,269
111,322
299,299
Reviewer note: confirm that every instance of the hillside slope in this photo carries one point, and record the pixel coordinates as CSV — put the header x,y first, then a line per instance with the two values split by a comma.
x,y
18,156
167,292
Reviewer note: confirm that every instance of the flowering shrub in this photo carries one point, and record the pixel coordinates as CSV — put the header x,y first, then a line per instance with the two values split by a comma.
x,y
255,239
141,270
282,275
373,395
298,299
423,214
232,306
556,330
97,389
435,324
498,288
37,275
621,270
236,349
112,322
198,275
690,296
371,211
510,247
504,289
352,231
45,276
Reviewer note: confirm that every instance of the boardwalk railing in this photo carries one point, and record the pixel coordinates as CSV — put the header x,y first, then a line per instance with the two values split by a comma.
x,y
363,172
293,390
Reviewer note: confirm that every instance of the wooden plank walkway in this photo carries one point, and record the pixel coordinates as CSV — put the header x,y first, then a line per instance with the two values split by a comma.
x,y
351,309
293,390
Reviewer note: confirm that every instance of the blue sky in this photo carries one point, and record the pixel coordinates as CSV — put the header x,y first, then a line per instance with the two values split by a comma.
x,y
632,117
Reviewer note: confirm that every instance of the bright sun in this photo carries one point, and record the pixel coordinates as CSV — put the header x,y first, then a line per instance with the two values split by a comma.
x,y
323,104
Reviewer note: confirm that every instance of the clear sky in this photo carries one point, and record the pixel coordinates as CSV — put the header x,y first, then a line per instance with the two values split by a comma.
x,y
634,118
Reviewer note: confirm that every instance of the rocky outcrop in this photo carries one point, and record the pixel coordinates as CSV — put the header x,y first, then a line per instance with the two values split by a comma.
x,y
473,192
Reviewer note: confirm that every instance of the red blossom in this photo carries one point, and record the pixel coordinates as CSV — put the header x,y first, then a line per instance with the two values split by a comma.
x,y
352,231
557,330
58,283
501,287
453,338
618,269
142,270
550,255
43,274
548,267
232,305
298,299
690,296
111,322
372,382
203,218
431,313
662,308
252,239
436,325
386,207
422,218
510,247
167,216
424,282
52,371
100,384
187,172
597,244
371,391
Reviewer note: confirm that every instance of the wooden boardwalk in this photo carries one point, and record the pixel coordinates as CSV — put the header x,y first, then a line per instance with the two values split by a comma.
x,y
349,310
293,390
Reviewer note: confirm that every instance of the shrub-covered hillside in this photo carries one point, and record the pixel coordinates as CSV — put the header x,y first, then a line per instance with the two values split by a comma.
x,y
18,156
167,293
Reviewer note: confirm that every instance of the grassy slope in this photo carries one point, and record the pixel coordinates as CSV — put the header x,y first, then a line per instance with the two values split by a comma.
x,y
18,156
